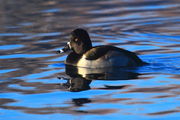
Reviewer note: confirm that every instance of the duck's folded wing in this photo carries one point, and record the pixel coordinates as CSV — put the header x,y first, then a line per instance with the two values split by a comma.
x,y
100,51
96,53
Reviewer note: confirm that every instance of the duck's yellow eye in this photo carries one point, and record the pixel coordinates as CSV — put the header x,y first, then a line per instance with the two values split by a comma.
x,y
76,39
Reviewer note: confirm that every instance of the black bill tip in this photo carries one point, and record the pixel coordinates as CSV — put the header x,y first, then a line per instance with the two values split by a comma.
x,y
65,49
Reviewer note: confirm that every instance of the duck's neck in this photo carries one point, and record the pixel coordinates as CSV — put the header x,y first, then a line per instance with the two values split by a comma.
x,y
86,46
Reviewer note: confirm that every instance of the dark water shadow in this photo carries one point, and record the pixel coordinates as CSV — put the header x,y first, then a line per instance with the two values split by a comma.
x,y
80,78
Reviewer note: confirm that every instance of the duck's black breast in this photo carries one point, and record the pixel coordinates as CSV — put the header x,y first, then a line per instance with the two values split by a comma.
x,y
73,58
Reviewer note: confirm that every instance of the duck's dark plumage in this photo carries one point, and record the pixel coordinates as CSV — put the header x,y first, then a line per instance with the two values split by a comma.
x,y
99,51
84,55
72,58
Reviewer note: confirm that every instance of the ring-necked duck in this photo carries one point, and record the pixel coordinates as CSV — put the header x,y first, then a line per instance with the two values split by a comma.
x,y
85,55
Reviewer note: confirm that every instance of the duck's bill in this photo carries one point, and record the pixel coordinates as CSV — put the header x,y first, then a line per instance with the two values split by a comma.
x,y
65,49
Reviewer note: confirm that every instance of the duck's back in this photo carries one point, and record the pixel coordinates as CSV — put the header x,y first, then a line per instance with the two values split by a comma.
x,y
109,56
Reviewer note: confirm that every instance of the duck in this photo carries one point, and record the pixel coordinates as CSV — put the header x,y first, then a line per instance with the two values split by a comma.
x,y
83,54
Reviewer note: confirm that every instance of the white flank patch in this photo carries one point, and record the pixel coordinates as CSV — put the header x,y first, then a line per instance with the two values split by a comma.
x,y
111,59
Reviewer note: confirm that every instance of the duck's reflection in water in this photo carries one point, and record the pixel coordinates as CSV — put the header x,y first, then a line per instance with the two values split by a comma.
x,y
80,78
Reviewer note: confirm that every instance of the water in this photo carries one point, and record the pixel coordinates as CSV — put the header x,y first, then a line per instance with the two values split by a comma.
x,y
35,84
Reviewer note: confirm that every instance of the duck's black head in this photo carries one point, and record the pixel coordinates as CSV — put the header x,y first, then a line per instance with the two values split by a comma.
x,y
80,41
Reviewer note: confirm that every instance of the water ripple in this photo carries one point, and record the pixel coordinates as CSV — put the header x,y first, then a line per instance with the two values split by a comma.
x,y
35,82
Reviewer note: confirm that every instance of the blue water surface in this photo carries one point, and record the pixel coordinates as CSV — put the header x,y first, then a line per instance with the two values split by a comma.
x,y
36,84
